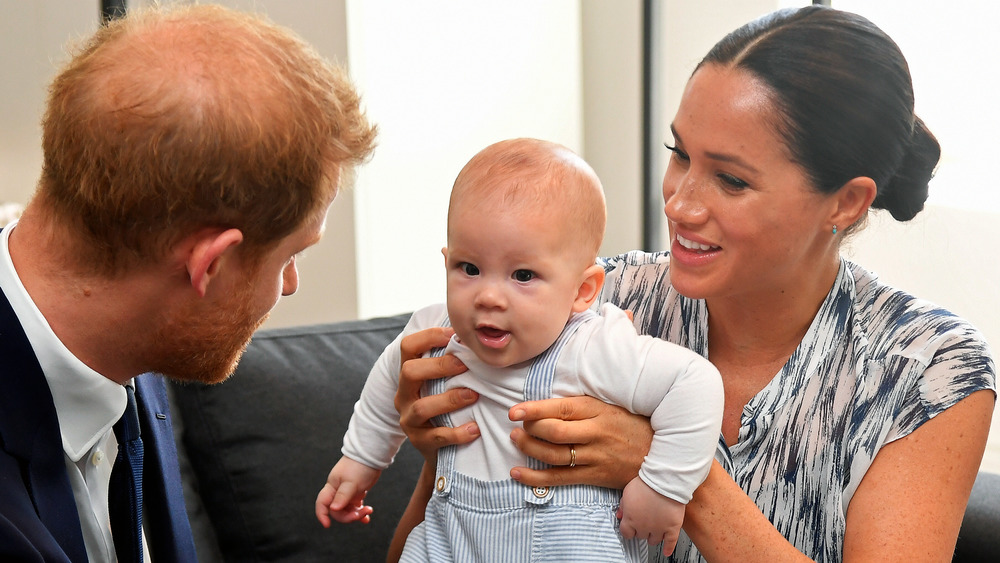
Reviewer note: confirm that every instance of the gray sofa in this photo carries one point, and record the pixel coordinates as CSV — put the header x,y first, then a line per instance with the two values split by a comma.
x,y
256,449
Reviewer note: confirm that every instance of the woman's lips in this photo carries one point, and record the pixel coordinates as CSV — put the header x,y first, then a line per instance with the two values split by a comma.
x,y
692,253
695,246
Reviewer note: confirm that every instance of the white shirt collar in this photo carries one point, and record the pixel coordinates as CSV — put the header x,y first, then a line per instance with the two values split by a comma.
x,y
87,403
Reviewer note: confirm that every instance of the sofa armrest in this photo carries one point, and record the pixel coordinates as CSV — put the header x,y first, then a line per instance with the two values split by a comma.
x,y
979,538
260,445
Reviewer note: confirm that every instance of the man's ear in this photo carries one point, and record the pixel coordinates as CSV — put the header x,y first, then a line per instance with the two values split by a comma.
x,y
205,257
853,201
590,287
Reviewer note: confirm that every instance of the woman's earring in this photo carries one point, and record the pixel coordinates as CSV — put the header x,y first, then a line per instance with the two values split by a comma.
x,y
835,229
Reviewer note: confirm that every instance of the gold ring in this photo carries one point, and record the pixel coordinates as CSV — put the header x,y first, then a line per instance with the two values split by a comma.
x,y
572,456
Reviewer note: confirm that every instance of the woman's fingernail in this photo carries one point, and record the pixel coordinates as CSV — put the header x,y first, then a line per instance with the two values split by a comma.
x,y
467,394
517,414
474,429
515,474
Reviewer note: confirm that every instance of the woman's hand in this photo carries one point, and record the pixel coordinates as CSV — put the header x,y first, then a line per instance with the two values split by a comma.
x,y
416,412
609,442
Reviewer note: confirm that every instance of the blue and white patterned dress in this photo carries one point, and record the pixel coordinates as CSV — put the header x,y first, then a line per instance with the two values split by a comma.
x,y
875,364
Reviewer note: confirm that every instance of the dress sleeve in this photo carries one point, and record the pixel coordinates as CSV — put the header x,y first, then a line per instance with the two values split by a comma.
x,y
960,364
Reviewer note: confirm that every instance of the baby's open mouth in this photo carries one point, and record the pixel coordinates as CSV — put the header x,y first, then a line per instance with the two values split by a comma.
x,y
492,337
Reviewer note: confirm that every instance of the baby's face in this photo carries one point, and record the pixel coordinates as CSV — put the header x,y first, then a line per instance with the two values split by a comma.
x,y
512,280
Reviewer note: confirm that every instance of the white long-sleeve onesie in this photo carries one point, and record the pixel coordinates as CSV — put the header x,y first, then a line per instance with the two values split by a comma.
x,y
605,358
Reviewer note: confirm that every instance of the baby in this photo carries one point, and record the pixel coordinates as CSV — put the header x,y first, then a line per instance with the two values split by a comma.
x,y
525,224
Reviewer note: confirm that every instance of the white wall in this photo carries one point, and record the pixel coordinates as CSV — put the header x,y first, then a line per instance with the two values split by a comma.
x,y
951,53
444,80
32,37
611,39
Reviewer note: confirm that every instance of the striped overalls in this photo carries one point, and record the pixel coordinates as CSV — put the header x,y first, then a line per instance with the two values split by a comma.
x,y
469,519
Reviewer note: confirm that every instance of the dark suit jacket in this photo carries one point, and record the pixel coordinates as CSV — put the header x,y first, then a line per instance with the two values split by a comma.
x,y
38,517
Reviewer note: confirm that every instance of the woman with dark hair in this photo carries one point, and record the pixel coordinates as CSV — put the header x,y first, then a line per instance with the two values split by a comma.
x,y
856,415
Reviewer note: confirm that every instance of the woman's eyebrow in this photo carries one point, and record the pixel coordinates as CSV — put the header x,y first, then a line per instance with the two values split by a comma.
x,y
721,157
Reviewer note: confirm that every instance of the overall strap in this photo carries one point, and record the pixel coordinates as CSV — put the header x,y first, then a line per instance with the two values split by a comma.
x,y
446,455
538,385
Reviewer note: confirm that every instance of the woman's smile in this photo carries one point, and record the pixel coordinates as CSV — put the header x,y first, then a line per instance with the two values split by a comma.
x,y
695,246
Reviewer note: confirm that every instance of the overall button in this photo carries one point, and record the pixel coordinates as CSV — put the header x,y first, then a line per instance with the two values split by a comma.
x,y
441,483
540,492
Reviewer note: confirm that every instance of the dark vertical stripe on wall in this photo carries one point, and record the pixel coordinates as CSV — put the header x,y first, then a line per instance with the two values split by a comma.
x,y
111,9
652,214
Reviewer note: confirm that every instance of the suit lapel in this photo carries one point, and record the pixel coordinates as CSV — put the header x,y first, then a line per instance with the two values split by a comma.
x,y
167,527
29,430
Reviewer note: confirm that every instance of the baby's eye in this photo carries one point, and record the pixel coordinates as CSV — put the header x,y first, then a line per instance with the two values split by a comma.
x,y
469,269
523,275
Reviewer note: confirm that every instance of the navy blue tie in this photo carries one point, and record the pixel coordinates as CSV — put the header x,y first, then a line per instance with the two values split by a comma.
x,y
125,488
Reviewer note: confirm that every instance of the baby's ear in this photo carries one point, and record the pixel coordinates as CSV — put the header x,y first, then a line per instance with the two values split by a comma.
x,y
590,288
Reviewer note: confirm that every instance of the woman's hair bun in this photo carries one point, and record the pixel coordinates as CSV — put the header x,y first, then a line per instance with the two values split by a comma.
x,y
905,193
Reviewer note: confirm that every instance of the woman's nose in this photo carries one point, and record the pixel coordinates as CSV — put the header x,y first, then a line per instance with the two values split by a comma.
x,y
683,199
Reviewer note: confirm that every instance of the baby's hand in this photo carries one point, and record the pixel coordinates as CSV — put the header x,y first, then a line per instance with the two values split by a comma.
x,y
648,515
342,498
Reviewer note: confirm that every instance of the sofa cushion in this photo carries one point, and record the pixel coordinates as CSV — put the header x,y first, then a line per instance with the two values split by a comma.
x,y
261,444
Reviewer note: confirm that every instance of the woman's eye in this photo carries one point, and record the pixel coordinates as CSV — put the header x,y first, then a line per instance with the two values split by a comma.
x,y
524,275
678,153
733,181
469,269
